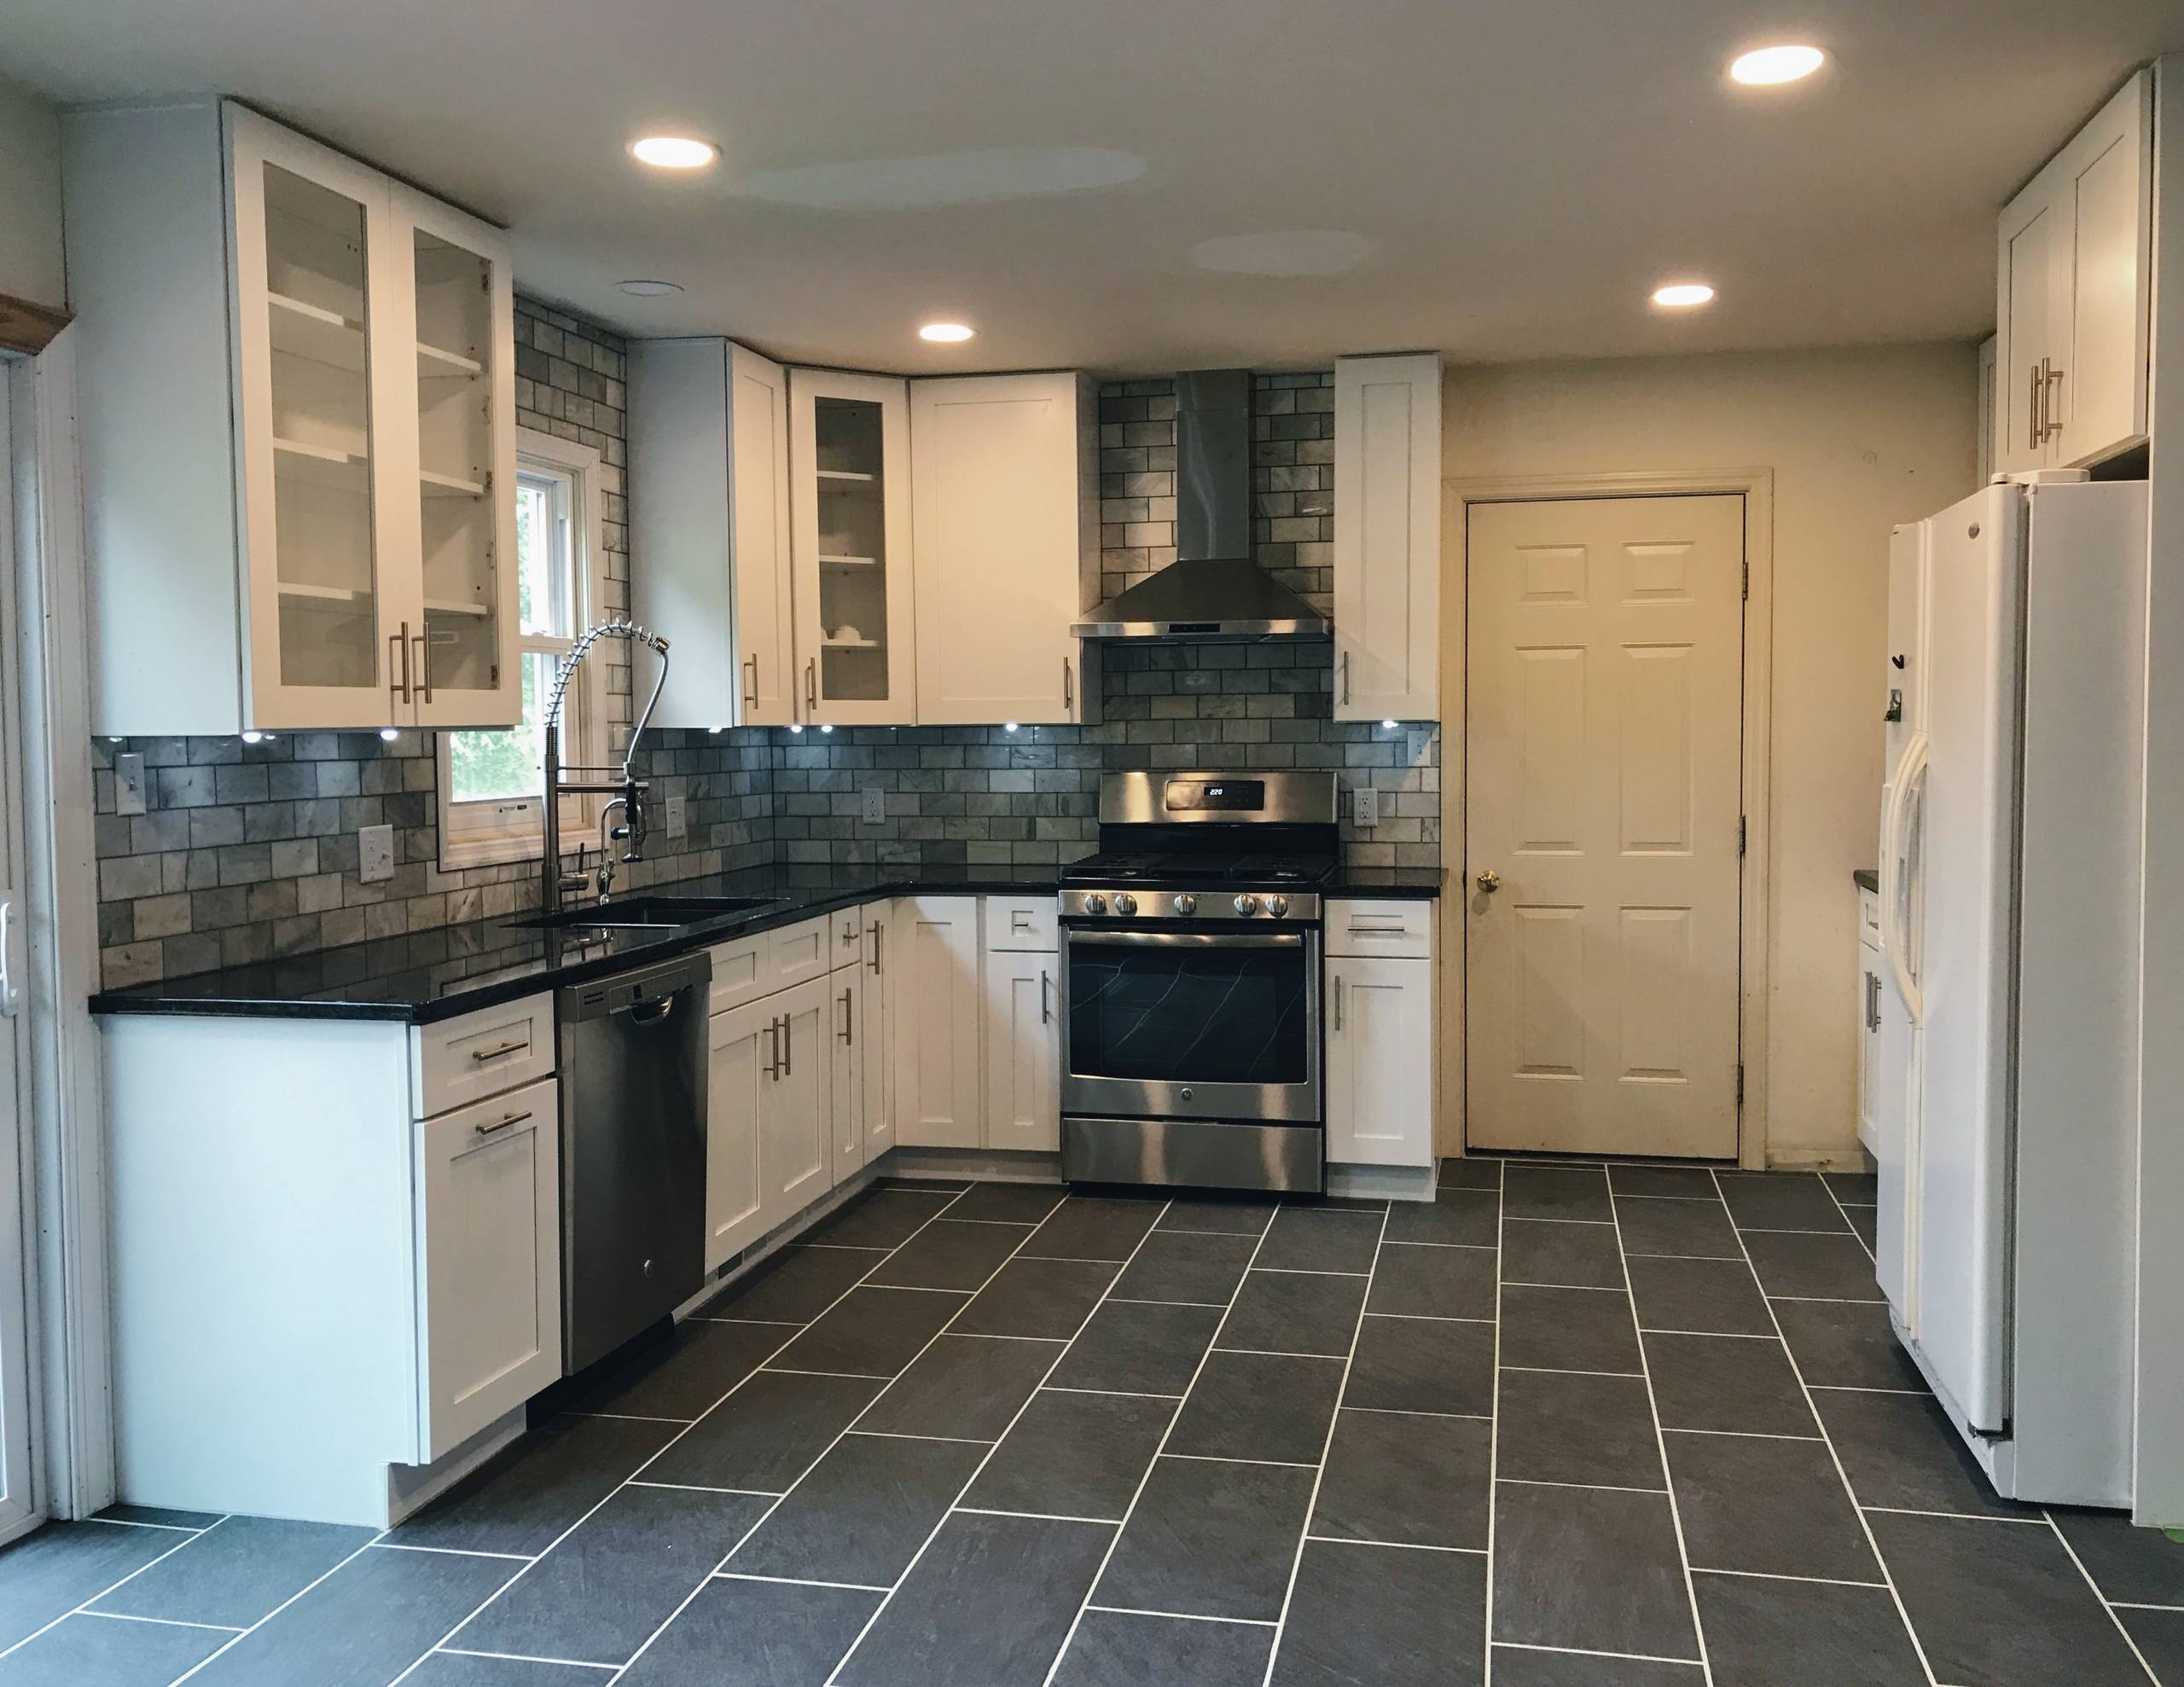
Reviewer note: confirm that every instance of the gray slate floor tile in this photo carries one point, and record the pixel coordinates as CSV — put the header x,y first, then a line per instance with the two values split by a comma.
x,y
1138,1349
862,1514
1568,1330
1555,1192
966,1386
874,1332
1999,1604
753,1634
1853,1189
92,1651
463,1669
1413,1281
1805,1634
50,1573
2132,1565
1812,1267
1516,1668
1046,1298
1589,1568
1768,1508
1209,1540
1411,1481
1419,1617
885,1218
1094,1227
1840,1344
950,1254
1074,1456
1455,1216
597,1596
766,1435
1114,1649
1259,1405
232,1575
1693,1183
684,1375
1565,1255
1218,1215
794,1287
1556,1427
1678,1229
523,1500
1740,1384
1715,1297
1009,1202
1292,1311
1470,1174
1781,1201
988,1604
1182,1265
1322,1238
1417,1365
2160,1635
1900,1450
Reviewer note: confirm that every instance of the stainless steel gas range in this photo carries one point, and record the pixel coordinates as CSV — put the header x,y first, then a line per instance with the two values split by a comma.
x,y
1191,982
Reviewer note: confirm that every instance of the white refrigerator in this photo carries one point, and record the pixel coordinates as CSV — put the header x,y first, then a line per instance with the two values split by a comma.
x,y
2010,873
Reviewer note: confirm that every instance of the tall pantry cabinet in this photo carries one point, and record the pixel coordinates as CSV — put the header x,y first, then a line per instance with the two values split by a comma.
x,y
297,386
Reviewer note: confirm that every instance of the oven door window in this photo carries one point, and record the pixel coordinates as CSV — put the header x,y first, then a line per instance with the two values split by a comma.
x,y
1189,1014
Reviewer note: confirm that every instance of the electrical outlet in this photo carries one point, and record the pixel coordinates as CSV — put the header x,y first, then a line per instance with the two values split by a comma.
x,y
1365,806
1421,744
128,783
374,853
676,819
874,809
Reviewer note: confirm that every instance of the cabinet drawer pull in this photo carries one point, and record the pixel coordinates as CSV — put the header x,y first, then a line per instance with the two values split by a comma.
x,y
397,657
877,934
1337,1001
849,1026
773,1048
500,1125
1046,1012
751,694
482,1055
2051,379
788,1045
1068,687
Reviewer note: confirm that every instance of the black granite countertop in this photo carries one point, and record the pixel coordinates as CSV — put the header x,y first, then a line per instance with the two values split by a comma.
x,y
1866,879
427,976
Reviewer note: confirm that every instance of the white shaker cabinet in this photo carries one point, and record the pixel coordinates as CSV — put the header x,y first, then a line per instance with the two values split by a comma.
x,y
296,380
874,1029
846,1061
795,1132
737,1081
1005,515
934,946
850,543
489,1261
709,529
1023,1038
2074,262
1387,538
1379,1009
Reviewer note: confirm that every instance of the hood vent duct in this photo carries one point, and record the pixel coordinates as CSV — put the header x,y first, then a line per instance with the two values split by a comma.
x,y
1212,590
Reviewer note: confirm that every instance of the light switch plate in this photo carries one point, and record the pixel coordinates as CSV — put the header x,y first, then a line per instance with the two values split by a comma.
x,y
1420,743
676,819
128,783
374,853
1365,806
875,805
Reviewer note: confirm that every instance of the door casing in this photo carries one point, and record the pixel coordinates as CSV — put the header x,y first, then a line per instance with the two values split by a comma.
x,y
1756,486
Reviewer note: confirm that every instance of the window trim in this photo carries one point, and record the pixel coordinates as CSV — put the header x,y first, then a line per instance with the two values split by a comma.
x,y
495,846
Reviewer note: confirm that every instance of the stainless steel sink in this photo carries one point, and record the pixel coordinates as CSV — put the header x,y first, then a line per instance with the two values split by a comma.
x,y
652,913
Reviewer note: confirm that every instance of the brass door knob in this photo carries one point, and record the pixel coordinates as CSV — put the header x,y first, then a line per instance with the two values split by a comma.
x,y
1489,881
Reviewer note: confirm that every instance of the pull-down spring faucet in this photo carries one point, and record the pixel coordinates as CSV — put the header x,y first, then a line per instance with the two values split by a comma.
x,y
626,791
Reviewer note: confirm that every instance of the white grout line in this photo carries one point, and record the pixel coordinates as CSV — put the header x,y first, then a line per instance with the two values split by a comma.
x,y
1738,1435
2140,1605
902,1435
1766,1576
1494,1418
1405,1412
776,1581
164,1622
1825,1300
1476,1247
1845,1212
1583,1487
158,1558
1661,1447
1394,1545
220,1649
1134,1301
1716,1335
451,1551
2065,1540
1427,1318
1715,1259
1039,1516
702,1487
1119,1394
1568,1371
658,1453
1784,1230
132,1523
527,1658
1218,1458
1327,1445
1584,1652
1702,1200
623,1416
1589,1288
2037,1521
771,1323
1151,1464
851,1247
1533,1218
1061,1352
1855,1388
1173,1616
1274,1353
846,1375
1872,1545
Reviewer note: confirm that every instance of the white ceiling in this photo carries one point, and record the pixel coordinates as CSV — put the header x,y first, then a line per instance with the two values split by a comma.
x,y
1517,174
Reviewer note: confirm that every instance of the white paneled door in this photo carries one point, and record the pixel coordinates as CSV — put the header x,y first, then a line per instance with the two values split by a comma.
x,y
1604,750
16,1502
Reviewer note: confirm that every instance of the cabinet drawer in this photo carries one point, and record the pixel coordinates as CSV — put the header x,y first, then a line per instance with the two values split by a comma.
x,y
848,927
742,971
1868,917
480,1054
1020,923
1381,928
805,950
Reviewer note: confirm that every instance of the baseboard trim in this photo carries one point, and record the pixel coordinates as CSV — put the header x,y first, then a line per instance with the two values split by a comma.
x,y
1382,1183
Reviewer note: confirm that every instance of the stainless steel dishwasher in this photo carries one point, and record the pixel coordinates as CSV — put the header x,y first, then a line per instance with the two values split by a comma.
x,y
633,1151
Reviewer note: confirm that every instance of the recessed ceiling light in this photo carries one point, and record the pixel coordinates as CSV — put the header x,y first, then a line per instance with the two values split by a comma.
x,y
674,152
946,333
1771,65
1682,295
643,289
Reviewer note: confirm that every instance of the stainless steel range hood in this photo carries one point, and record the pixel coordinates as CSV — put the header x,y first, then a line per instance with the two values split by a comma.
x,y
1212,590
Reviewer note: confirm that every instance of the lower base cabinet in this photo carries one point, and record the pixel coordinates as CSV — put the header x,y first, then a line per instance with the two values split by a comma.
x,y
937,1009
795,1133
1023,1098
736,1080
1379,1009
874,1059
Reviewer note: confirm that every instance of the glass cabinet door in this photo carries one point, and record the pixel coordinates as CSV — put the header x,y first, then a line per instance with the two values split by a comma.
x,y
464,490
850,463
311,260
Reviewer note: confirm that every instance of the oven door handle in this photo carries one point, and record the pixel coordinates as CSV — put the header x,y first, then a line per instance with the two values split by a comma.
x,y
1187,940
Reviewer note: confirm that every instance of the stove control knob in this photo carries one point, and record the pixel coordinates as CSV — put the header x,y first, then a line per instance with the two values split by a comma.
x,y
1095,903
1247,904
1277,906
1185,904
1124,902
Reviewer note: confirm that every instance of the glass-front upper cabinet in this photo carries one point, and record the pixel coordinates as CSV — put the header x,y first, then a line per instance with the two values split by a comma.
x,y
464,487
311,278
849,465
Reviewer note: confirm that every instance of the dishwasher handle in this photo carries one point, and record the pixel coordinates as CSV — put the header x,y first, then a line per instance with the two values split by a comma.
x,y
652,1012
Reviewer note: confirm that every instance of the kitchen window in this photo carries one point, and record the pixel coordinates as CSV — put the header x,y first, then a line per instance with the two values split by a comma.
x,y
491,782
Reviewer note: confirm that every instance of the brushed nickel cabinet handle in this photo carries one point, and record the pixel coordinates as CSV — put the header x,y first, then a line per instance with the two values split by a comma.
x,y
482,1055
877,934
2051,388
2032,408
398,656
848,1033
1046,1013
500,1125
1345,676
773,1048
424,665
811,685
1068,687
1337,1001
751,693
788,1045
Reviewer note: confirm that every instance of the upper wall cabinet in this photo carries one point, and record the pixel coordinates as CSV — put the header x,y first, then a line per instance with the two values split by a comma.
x,y
1006,515
297,390
850,523
1387,538
709,513
2074,265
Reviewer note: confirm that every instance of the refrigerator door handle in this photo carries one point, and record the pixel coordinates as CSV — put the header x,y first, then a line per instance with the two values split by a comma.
x,y
1909,771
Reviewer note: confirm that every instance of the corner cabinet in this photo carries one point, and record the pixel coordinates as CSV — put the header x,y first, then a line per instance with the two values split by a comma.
x,y
297,409
709,529
2074,266
1387,538
1006,519
850,540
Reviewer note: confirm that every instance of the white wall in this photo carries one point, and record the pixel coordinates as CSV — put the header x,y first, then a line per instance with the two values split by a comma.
x,y
30,197
1857,441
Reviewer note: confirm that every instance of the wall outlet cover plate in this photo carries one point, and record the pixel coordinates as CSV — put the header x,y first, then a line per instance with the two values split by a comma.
x,y
1365,806
874,810
128,783
675,818
374,853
